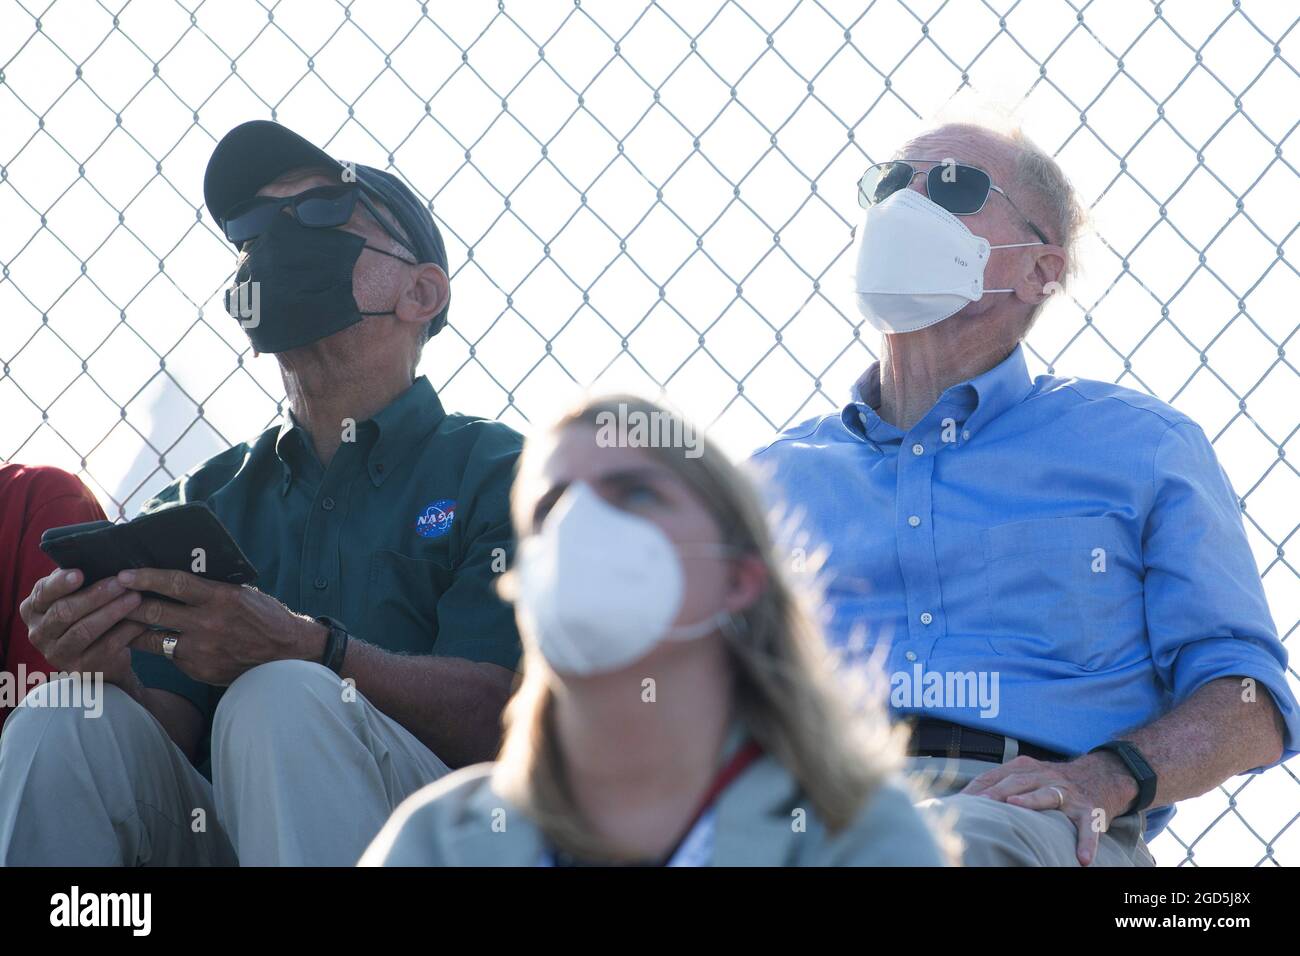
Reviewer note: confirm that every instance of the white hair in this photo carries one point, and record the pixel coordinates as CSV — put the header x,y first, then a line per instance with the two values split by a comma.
x,y
1039,186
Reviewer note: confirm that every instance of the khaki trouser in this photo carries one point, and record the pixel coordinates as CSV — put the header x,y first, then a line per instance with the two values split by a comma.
x,y
302,776
994,833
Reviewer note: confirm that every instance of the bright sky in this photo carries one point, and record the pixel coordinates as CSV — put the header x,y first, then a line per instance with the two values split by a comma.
x,y
612,181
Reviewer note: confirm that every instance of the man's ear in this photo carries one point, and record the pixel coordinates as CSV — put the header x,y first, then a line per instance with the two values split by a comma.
x,y
425,296
1043,278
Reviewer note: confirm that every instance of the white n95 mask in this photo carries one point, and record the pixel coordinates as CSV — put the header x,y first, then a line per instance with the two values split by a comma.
x,y
918,263
598,587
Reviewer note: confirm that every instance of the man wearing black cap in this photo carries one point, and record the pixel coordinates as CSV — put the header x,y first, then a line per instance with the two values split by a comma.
x,y
374,653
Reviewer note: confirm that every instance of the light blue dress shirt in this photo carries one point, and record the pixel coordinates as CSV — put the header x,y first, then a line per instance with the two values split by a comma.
x,y
1074,544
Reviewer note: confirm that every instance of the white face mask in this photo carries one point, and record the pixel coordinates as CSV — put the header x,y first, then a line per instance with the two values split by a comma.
x,y
918,263
599,588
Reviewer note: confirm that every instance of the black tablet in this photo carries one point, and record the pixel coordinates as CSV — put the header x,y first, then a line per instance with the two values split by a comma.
x,y
185,537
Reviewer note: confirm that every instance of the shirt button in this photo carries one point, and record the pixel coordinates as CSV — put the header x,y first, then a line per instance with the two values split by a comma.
x,y
918,449
914,521
322,584
328,504
862,417
926,617
965,436
910,655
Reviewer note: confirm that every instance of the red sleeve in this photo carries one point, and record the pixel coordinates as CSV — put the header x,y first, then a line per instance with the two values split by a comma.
x,y
48,498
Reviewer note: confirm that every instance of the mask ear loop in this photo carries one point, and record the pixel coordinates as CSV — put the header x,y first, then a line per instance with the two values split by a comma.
x,y
1011,245
734,627
723,620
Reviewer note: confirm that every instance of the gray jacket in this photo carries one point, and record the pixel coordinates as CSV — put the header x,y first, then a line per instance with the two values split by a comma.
x,y
461,821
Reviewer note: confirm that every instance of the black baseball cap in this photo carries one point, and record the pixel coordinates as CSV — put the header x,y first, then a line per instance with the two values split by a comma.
x,y
259,151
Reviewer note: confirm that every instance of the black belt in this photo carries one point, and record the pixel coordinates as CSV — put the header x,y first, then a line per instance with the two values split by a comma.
x,y
939,738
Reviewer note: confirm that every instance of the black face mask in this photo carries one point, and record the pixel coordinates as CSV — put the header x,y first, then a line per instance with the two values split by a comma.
x,y
295,285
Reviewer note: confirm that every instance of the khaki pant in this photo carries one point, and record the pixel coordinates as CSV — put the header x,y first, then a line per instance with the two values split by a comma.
x,y
994,833
302,776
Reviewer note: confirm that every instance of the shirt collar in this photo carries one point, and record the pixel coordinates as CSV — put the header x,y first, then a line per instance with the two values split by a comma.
x,y
291,447
999,389
403,426
399,428
982,398
861,416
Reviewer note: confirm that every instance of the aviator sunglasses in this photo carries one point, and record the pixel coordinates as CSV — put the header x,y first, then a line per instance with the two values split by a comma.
x,y
962,190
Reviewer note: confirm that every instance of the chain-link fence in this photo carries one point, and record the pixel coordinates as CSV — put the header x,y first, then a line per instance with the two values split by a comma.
x,y
654,196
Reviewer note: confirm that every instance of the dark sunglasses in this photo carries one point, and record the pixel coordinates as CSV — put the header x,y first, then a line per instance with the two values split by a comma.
x,y
325,207
960,189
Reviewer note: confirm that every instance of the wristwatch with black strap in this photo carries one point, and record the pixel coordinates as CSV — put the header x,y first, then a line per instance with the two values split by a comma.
x,y
336,644
1137,766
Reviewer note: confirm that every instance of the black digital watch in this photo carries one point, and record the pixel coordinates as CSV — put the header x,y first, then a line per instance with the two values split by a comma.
x,y
1137,766
336,644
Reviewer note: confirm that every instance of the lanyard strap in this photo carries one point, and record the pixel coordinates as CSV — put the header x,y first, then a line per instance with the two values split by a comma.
x,y
734,767
737,765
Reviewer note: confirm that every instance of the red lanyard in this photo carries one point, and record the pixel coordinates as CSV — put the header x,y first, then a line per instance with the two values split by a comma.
x,y
737,765
734,767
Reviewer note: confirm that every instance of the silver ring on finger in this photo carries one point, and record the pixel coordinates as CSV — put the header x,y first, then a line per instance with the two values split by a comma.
x,y
169,643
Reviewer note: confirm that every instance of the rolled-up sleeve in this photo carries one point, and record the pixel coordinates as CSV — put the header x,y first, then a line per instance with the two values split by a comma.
x,y
1207,617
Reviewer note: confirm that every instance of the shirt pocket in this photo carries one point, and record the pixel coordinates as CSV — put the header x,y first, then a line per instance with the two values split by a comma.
x,y
402,602
1064,589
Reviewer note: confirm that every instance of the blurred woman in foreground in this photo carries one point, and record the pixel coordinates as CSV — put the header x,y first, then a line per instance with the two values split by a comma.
x,y
677,705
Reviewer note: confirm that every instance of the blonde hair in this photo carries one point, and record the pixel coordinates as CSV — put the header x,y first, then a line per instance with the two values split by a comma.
x,y
785,690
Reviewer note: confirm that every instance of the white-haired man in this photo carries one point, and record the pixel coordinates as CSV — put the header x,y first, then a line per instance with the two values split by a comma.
x,y
1075,541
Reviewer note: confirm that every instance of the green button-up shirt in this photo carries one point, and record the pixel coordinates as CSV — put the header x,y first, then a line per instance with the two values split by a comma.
x,y
401,539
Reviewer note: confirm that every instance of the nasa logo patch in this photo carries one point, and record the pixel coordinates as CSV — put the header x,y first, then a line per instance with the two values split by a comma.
x,y
435,520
